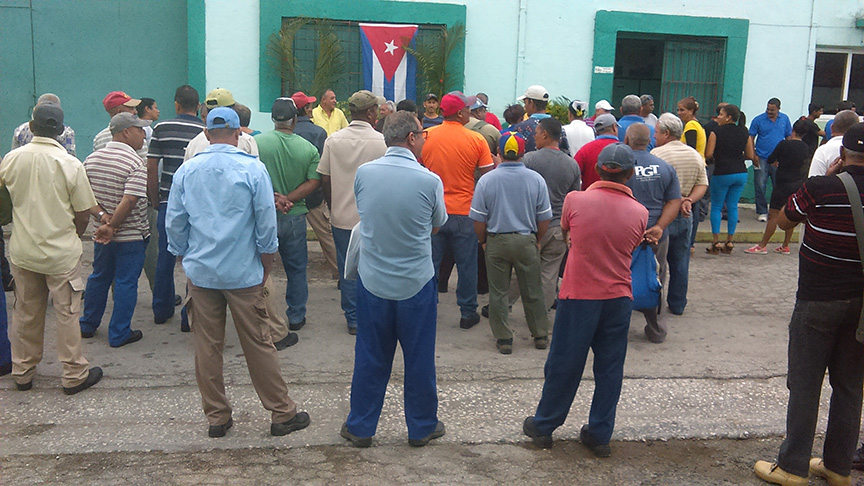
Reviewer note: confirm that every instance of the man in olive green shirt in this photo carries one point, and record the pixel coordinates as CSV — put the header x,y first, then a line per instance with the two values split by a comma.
x,y
292,163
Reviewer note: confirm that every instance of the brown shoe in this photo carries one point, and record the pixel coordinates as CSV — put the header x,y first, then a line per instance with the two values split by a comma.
x,y
541,342
771,472
818,469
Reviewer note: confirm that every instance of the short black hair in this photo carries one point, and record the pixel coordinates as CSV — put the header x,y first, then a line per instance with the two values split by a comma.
x,y
187,97
244,114
775,102
845,105
801,127
145,103
551,126
407,105
814,107
513,114
540,105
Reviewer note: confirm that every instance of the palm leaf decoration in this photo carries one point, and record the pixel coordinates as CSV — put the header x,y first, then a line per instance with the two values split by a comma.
x,y
280,55
432,58
330,66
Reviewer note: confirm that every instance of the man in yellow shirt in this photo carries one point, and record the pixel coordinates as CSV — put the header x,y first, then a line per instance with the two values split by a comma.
x,y
326,116
45,249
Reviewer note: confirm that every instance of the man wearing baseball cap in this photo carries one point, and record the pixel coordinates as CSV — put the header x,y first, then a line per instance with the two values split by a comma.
x,y
22,135
431,116
45,250
291,162
578,132
605,224
117,102
119,181
536,100
822,330
319,213
455,154
602,107
511,212
344,152
227,256
219,97
606,130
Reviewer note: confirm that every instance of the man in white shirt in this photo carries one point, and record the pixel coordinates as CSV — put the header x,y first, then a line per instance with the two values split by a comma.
x,y
828,152
216,98
578,132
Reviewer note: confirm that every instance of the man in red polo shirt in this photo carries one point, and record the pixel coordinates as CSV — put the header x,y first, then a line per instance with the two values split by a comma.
x,y
605,224
606,129
455,153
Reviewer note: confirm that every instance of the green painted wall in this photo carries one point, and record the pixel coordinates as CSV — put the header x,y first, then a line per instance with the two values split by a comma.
x,y
82,50
608,24
272,12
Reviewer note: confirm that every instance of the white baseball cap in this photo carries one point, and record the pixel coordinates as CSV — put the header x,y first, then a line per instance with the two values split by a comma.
x,y
603,105
535,92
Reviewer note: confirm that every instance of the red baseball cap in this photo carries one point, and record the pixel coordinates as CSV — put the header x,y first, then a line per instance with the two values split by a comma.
x,y
301,100
117,98
451,103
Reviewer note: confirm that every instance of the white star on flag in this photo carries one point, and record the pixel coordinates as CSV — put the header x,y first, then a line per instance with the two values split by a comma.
x,y
391,46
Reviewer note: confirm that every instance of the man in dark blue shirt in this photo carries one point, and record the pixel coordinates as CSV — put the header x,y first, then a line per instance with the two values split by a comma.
x,y
536,99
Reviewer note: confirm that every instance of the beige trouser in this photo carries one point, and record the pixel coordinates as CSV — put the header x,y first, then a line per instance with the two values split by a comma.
x,y
552,250
28,323
319,220
249,313
275,311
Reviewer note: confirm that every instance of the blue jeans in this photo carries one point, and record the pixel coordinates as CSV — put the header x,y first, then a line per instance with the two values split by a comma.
x,y
760,184
163,285
457,235
294,253
348,287
381,323
120,264
601,325
822,336
678,258
726,189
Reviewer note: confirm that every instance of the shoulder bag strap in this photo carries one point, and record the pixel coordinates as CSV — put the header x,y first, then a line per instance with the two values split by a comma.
x,y
858,220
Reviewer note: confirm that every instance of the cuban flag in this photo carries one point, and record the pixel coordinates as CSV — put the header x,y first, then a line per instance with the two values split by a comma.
x,y
388,70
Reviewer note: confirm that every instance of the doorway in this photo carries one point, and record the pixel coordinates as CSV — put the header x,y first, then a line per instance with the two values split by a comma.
x,y
670,68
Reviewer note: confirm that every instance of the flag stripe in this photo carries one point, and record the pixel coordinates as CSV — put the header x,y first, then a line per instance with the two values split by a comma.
x,y
403,82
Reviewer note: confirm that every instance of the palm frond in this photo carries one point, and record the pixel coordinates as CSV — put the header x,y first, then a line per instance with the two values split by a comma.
x,y
280,55
432,58
330,65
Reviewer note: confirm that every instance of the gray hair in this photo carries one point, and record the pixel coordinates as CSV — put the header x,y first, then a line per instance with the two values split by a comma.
x,y
670,124
390,106
285,124
631,105
843,121
397,126
49,98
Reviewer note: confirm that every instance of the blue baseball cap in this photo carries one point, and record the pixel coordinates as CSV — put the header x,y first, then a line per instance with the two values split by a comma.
x,y
222,117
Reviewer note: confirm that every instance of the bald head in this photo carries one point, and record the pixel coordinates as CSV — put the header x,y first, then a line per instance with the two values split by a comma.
x,y
637,137
843,121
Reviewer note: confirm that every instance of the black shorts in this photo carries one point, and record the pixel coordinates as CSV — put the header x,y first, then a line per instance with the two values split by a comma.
x,y
780,194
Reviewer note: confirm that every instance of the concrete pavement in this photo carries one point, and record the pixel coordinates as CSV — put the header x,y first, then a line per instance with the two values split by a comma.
x,y
720,374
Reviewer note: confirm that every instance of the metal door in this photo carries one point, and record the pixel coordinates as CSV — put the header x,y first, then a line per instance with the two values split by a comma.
x,y
693,67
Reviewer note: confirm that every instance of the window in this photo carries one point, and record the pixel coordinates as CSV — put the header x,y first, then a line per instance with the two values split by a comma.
x,y
307,49
838,76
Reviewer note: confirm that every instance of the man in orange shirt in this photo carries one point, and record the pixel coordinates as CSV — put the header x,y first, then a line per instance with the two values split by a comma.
x,y
455,153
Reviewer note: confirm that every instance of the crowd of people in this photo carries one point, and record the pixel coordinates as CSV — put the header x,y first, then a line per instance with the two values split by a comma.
x,y
539,210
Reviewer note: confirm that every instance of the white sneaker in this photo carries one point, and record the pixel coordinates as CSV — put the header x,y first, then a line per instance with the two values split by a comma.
x,y
762,218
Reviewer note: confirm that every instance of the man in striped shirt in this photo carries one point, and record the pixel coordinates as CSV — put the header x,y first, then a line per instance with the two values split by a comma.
x,y
168,146
119,181
823,325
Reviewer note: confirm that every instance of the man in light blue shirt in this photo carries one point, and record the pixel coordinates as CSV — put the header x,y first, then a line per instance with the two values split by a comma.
x,y
221,218
631,106
401,204
766,131
511,212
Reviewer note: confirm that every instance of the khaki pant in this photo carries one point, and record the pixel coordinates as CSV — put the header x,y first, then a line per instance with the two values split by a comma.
x,y
28,323
552,250
319,220
275,311
249,313
505,254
